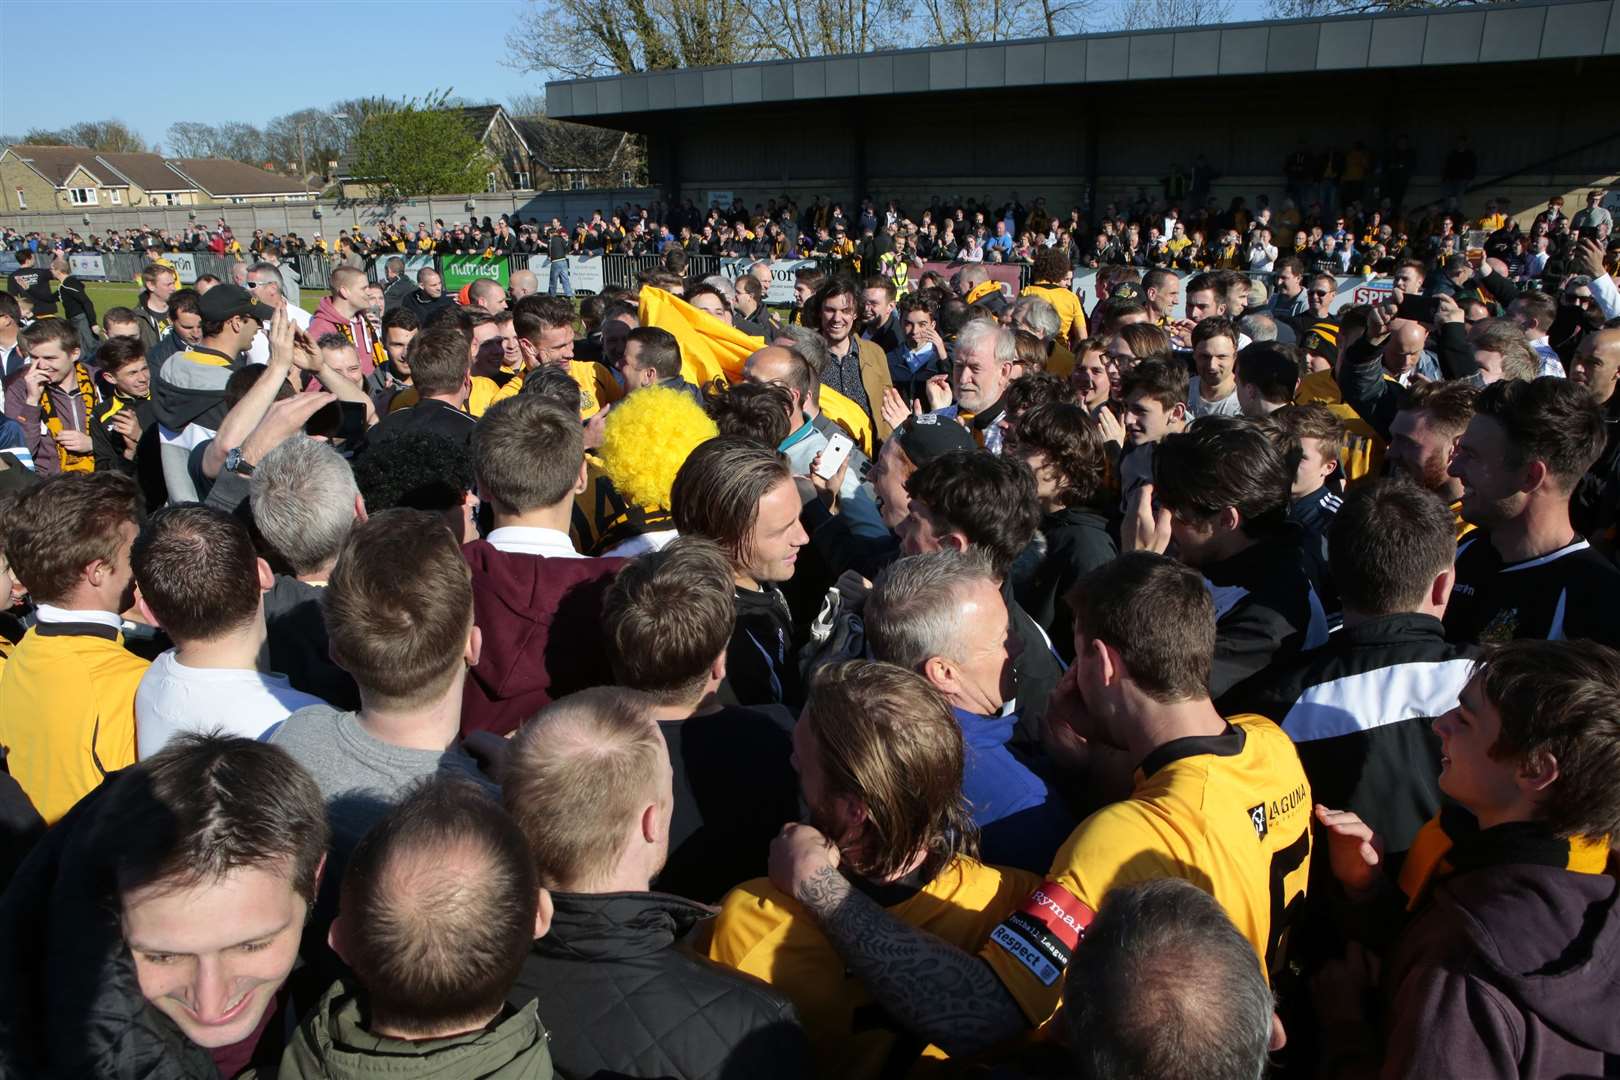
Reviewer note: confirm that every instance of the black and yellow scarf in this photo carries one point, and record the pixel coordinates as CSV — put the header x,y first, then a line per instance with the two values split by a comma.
x,y
69,461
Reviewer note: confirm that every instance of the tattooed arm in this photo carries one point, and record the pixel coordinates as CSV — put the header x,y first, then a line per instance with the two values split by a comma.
x,y
936,990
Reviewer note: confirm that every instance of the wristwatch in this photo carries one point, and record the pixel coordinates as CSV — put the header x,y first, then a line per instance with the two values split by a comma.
x,y
235,464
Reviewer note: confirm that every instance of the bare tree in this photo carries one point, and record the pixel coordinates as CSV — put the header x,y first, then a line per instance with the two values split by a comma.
x,y
111,136
1308,9
240,141
1162,14
579,38
525,105
787,29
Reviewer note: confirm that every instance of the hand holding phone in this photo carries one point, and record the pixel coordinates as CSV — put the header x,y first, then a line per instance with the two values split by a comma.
x,y
340,421
833,455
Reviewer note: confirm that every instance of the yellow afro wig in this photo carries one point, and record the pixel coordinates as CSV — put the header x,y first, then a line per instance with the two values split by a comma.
x,y
646,440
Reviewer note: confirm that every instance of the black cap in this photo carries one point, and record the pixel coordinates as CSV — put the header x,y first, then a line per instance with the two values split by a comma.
x,y
225,301
926,437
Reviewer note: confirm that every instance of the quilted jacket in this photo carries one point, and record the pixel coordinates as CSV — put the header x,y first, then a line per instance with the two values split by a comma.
x,y
622,999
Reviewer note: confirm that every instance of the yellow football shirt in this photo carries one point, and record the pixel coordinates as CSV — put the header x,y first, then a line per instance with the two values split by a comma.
x,y
764,933
1230,813
597,387
67,712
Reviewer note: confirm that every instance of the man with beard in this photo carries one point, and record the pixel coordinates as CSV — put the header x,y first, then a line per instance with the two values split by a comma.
x,y
1220,801
1423,438
1528,573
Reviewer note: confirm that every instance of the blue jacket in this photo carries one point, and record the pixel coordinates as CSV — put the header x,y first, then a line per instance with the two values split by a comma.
x,y
1022,821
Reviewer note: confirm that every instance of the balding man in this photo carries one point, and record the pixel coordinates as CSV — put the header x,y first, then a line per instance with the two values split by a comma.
x,y
589,784
808,429
440,904
1595,507
488,295
524,283
1403,350
1167,983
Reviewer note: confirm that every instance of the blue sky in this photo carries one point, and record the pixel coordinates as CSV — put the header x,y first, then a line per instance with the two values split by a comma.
x,y
92,60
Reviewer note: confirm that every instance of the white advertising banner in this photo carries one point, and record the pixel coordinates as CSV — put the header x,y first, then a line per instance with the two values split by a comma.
x,y
185,265
782,272
88,266
1351,291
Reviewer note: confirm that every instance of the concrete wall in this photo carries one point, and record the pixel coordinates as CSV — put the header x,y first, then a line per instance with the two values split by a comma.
x,y
300,217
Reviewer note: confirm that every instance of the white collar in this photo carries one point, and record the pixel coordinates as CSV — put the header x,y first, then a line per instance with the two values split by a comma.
x,y
533,540
50,613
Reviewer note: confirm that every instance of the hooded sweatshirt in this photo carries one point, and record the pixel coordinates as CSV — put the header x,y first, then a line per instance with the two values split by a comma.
x,y
1511,965
329,320
517,600
332,1042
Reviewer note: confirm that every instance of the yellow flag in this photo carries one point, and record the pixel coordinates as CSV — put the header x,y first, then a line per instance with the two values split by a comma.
x,y
712,349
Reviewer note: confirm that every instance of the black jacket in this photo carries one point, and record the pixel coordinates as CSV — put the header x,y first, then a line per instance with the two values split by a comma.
x,y
1594,509
1266,609
735,787
1077,541
296,643
762,660
1035,674
423,306
109,445
622,999
1360,710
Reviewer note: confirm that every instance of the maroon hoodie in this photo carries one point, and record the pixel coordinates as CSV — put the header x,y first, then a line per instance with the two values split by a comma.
x,y
1510,967
517,600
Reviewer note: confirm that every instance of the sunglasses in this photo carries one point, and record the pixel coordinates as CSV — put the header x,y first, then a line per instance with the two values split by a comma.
x,y
1319,292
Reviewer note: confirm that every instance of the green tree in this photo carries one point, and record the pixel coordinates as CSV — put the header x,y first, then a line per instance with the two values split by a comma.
x,y
422,148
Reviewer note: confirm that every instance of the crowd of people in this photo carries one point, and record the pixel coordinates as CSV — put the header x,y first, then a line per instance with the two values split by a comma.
x,y
1202,680
1341,212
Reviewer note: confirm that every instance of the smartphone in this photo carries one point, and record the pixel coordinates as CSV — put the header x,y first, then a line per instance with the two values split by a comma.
x,y
1421,309
834,454
340,421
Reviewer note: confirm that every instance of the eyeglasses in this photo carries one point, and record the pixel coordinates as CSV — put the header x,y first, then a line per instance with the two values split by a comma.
x,y
256,284
1319,292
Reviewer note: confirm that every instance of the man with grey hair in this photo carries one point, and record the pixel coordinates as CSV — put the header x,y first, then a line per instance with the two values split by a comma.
x,y
981,369
725,287
1258,327
264,283
1164,985
239,273
1036,316
943,616
305,502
